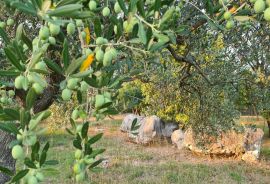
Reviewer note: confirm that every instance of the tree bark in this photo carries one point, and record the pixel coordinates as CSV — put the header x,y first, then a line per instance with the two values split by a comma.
x,y
268,123
42,103
6,159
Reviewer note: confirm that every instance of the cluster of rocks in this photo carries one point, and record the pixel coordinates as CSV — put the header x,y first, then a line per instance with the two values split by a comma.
x,y
151,128
245,145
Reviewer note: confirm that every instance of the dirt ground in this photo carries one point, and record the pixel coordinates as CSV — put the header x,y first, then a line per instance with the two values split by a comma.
x,y
165,149
157,163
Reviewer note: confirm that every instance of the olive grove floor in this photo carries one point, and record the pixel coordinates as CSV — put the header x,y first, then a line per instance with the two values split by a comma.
x,y
129,163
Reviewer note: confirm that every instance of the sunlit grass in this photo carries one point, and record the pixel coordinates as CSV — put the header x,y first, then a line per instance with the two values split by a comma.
x,y
131,163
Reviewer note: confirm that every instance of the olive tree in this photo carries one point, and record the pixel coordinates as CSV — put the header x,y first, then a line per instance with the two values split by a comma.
x,y
253,60
75,44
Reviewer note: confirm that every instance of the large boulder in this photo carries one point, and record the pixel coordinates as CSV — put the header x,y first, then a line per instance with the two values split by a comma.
x,y
245,145
127,122
252,144
169,128
150,130
177,138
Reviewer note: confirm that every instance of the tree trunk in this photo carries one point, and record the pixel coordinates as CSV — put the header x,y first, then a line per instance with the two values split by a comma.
x,y
6,159
42,103
268,123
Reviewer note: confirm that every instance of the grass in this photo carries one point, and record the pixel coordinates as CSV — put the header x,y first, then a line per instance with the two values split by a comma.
x,y
132,164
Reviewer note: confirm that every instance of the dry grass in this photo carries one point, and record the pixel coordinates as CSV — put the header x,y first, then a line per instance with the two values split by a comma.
x,y
158,163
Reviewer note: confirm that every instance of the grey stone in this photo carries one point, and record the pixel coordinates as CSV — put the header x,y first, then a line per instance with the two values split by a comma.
x,y
150,129
177,138
169,129
127,122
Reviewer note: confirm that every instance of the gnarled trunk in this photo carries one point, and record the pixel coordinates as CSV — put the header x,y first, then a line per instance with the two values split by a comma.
x,y
268,123
6,159
42,103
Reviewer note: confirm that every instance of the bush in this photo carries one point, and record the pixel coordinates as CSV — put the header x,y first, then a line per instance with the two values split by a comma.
x,y
60,117
130,96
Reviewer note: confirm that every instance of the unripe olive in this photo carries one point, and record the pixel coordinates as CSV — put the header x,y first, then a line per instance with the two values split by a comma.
x,y
19,137
79,128
2,92
11,93
30,78
267,14
113,51
71,28
72,84
66,94
100,41
38,88
83,34
259,6
21,82
18,82
107,60
32,180
117,8
84,86
227,15
44,33
230,24
80,177
30,140
3,100
10,22
75,114
92,5
77,168
78,154
54,29
17,152
2,25
106,12
79,23
131,24
41,66
99,55
10,100
125,24
52,40
96,49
